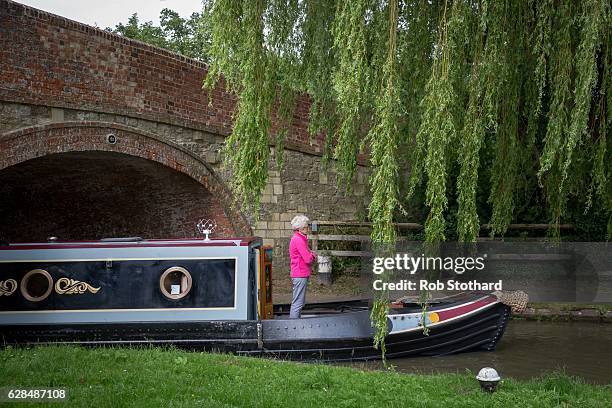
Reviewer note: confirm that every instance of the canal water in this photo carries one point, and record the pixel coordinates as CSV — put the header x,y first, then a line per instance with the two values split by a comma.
x,y
529,349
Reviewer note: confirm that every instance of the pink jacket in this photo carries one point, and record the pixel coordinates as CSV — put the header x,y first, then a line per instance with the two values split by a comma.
x,y
301,256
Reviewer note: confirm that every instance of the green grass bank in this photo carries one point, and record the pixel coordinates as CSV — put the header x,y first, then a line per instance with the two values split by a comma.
x,y
155,377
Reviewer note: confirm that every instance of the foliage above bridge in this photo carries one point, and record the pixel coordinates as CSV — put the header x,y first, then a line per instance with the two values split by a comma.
x,y
186,36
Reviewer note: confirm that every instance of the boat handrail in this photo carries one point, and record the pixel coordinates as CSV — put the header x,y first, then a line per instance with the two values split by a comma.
x,y
124,239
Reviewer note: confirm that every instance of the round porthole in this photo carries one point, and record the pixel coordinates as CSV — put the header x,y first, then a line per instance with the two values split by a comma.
x,y
175,282
36,285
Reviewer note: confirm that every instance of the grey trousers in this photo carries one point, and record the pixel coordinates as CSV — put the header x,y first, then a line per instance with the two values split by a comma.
x,y
299,297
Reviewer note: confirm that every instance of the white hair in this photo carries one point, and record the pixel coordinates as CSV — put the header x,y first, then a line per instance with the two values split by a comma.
x,y
299,221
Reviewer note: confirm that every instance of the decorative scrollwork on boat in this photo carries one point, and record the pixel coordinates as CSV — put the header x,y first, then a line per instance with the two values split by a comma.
x,y
66,286
8,287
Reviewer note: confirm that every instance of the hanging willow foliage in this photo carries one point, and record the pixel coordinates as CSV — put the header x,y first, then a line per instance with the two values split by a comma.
x,y
318,62
504,111
472,136
586,77
494,81
384,136
541,49
246,150
283,42
435,133
350,82
486,108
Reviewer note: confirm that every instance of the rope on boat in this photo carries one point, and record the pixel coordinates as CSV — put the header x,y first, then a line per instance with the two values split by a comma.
x,y
516,299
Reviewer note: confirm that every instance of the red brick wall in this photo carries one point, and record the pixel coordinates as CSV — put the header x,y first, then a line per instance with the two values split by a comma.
x,y
49,60
66,179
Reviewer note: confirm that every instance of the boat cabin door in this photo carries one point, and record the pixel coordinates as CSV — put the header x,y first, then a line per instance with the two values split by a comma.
x,y
264,283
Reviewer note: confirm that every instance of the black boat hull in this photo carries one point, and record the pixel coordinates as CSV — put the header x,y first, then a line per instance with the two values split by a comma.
x,y
480,331
340,336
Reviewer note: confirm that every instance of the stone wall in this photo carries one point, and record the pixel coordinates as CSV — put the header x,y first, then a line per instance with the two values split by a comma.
x,y
302,187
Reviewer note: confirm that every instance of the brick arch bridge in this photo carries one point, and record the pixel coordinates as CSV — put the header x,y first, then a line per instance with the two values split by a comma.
x,y
124,184
64,85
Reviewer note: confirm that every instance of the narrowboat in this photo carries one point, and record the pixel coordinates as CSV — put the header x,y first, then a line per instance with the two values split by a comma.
x,y
211,294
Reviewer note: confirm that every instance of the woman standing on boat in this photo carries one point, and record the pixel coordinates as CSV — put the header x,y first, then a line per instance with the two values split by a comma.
x,y
301,262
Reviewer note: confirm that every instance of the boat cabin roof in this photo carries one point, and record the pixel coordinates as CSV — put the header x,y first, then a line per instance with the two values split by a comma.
x,y
136,242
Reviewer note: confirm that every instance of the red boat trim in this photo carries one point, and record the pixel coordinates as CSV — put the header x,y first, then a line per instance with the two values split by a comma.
x,y
444,316
464,309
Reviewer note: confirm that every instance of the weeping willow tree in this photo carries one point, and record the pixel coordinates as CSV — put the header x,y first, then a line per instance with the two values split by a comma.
x,y
485,103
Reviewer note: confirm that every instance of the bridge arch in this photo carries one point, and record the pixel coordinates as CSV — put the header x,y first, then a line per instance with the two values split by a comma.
x,y
91,179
